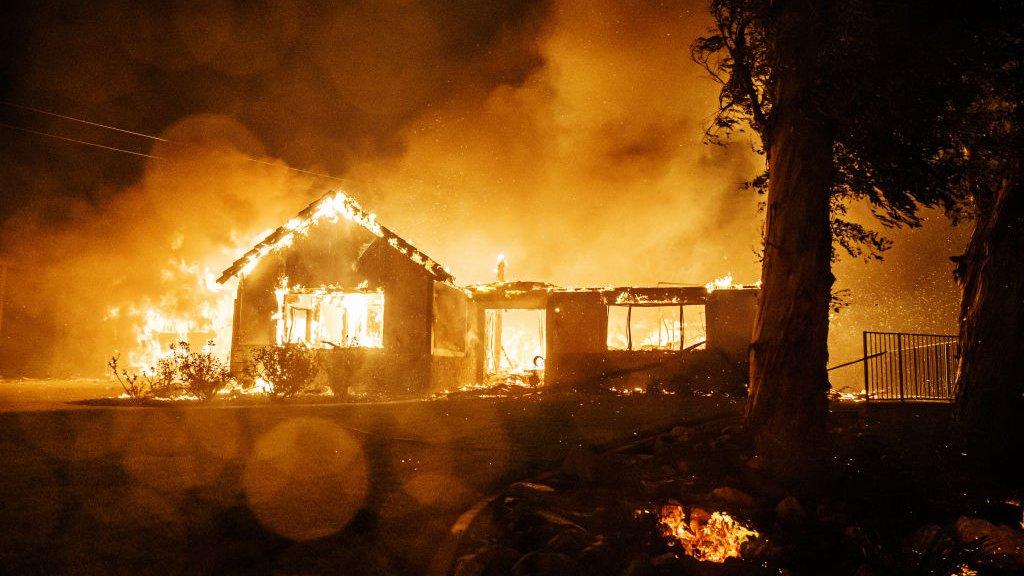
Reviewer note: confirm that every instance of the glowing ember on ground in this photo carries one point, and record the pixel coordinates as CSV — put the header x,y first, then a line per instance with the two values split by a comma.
x,y
708,537
845,396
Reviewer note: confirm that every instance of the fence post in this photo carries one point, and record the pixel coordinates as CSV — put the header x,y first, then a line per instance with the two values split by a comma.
x,y
899,356
867,392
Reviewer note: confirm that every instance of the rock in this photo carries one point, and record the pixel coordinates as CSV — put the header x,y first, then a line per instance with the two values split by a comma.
x,y
733,497
864,570
790,512
760,548
639,566
855,541
682,466
733,430
530,487
568,540
1001,545
756,463
681,433
531,528
487,562
580,463
596,553
500,561
469,566
666,558
825,514
920,544
557,520
546,564
532,491
662,445
658,487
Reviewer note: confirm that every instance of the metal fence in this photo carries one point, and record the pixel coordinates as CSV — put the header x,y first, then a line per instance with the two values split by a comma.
x,y
904,367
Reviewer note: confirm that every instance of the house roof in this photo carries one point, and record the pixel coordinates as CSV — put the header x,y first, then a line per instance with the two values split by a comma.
x,y
331,206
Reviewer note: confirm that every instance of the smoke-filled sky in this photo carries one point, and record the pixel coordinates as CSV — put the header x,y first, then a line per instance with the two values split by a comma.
x,y
566,134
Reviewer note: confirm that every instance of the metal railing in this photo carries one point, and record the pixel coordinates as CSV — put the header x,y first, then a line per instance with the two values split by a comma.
x,y
910,367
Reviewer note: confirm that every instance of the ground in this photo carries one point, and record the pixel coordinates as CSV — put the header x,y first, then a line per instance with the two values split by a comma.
x,y
896,498
325,488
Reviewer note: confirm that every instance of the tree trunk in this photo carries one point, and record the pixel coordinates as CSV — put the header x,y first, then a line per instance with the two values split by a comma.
x,y
990,398
787,406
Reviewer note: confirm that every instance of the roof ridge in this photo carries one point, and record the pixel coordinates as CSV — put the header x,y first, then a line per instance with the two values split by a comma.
x,y
331,206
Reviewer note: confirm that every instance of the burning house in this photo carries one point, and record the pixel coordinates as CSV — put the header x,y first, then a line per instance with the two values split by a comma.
x,y
629,338
386,317
383,314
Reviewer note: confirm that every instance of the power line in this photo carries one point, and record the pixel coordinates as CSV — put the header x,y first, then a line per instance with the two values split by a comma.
x,y
142,135
73,119
87,143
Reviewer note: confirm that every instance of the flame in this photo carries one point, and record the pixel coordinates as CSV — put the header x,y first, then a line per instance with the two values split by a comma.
x,y
522,347
331,208
711,538
191,312
192,307
328,317
720,283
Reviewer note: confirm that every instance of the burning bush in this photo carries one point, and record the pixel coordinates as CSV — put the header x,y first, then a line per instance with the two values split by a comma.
x,y
201,373
288,370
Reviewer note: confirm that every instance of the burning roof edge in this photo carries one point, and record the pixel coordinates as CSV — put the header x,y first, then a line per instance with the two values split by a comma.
x,y
496,292
331,206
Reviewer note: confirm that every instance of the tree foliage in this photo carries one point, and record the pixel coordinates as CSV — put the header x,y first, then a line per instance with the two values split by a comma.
x,y
888,84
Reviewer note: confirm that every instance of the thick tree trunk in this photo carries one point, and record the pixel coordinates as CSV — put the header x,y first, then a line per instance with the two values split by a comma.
x,y
787,406
990,400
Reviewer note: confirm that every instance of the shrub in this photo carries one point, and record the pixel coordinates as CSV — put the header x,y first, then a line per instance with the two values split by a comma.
x,y
134,384
163,382
288,369
201,373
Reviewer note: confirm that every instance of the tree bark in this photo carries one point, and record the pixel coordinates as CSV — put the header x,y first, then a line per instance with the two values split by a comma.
x,y
990,397
787,407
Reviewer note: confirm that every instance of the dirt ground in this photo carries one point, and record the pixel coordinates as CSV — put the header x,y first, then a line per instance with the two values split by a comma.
x,y
284,489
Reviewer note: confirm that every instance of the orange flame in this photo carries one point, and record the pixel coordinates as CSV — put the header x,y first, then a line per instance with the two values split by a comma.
x,y
711,538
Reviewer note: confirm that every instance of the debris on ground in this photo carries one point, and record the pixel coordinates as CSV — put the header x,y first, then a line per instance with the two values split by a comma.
x,y
693,500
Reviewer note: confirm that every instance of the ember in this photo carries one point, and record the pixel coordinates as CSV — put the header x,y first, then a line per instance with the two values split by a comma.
x,y
711,538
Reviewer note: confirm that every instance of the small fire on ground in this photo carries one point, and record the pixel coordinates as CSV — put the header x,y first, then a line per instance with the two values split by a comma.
x,y
710,537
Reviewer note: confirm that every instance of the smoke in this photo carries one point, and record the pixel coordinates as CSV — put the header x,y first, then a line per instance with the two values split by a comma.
x,y
566,135
87,277
591,172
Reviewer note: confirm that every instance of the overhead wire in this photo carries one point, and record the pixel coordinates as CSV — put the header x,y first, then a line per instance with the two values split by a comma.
x,y
75,140
139,134
72,118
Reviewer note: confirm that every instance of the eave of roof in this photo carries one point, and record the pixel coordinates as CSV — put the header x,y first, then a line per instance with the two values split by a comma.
x,y
332,206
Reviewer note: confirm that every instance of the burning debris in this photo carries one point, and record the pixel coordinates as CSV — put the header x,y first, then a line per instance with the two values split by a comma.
x,y
708,537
